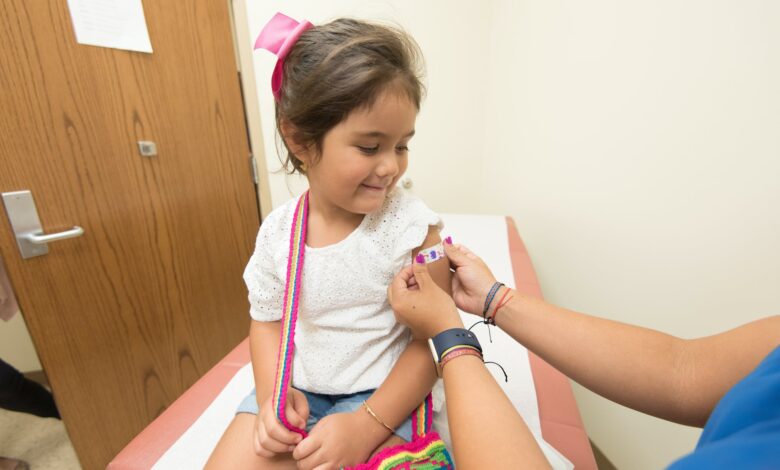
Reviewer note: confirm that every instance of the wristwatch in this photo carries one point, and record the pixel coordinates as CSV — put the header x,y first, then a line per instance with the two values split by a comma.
x,y
450,339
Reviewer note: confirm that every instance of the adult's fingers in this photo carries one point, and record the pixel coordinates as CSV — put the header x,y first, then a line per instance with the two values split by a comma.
x,y
406,275
421,274
398,286
457,286
457,254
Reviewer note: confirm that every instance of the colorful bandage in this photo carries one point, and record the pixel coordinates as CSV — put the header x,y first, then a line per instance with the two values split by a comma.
x,y
429,255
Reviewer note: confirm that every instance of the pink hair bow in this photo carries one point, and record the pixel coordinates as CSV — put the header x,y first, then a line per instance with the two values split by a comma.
x,y
278,36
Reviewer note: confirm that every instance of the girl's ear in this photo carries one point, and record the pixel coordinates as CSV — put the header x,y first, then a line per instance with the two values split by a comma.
x,y
291,137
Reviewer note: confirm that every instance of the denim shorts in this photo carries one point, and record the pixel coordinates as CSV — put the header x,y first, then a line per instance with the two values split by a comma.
x,y
323,405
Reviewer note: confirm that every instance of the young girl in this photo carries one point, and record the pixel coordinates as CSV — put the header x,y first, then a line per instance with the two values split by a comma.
x,y
347,96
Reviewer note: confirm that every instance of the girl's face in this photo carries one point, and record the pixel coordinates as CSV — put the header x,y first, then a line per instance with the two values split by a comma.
x,y
364,156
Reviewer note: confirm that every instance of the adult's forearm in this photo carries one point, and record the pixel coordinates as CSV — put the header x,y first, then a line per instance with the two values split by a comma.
x,y
486,429
675,379
637,367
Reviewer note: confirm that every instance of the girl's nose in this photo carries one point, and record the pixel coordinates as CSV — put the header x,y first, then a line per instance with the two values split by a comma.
x,y
388,166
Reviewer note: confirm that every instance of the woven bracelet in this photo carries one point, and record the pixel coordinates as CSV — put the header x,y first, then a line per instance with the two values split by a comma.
x,y
489,298
457,353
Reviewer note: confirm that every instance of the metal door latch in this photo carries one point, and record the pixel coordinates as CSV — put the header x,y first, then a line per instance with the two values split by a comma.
x,y
26,225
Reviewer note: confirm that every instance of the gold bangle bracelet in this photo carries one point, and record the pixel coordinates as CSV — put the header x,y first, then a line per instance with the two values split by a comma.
x,y
371,412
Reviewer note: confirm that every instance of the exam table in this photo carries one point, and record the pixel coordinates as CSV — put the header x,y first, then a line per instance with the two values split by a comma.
x,y
183,436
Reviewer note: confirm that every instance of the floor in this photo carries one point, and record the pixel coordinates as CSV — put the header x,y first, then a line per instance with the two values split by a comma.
x,y
41,442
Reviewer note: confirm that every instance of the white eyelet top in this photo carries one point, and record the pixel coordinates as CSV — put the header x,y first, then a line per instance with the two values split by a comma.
x,y
346,338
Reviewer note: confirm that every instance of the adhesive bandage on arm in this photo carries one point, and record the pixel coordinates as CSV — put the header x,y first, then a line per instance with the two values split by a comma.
x,y
431,254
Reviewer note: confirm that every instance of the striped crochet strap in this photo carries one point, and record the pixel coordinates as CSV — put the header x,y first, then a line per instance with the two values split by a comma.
x,y
422,419
292,295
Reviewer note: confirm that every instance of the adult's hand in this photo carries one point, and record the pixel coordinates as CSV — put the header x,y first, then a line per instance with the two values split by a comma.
x,y
420,304
472,280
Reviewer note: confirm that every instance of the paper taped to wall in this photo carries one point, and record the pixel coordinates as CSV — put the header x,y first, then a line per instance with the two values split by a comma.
x,y
119,24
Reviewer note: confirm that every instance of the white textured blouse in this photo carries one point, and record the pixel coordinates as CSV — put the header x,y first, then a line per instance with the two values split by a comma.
x,y
346,338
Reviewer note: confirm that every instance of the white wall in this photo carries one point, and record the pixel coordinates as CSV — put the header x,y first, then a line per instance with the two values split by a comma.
x,y
16,346
636,145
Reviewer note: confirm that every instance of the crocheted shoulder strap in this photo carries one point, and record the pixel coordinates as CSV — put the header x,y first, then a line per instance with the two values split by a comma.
x,y
422,419
292,294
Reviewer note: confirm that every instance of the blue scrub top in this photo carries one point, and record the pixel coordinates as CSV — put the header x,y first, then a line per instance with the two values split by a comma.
x,y
743,430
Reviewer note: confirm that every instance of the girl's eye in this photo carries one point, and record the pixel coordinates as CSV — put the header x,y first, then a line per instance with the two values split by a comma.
x,y
402,148
368,150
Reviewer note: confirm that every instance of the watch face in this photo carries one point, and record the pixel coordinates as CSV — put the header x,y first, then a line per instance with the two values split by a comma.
x,y
435,356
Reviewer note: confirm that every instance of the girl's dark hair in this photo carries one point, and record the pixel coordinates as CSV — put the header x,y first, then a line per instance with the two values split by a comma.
x,y
338,67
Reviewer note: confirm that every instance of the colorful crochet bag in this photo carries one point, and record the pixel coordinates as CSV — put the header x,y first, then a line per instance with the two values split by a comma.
x,y
425,452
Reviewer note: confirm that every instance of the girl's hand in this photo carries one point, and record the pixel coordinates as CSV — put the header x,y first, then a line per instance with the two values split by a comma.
x,y
420,304
340,440
472,280
271,437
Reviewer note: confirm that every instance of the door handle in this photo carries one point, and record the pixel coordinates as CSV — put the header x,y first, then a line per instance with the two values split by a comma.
x,y
26,225
40,239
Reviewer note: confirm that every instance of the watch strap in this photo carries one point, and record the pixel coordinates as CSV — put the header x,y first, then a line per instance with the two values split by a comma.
x,y
452,338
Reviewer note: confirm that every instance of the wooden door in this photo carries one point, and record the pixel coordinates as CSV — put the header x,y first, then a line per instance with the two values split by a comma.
x,y
127,316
